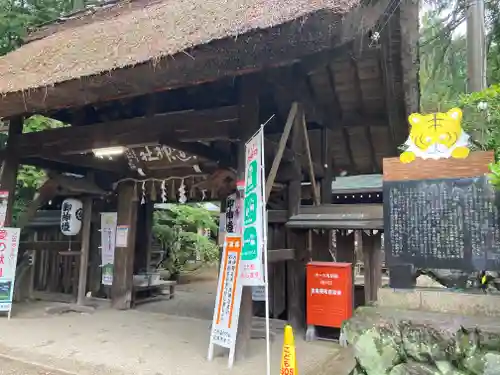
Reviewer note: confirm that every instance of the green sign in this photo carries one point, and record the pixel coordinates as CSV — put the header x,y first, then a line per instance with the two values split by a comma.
x,y
253,213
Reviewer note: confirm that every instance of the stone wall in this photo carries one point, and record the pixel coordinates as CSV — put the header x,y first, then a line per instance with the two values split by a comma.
x,y
405,342
440,300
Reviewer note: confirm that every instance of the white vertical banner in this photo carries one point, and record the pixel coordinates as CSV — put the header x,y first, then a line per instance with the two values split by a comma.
x,y
254,253
4,201
254,231
9,245
228,300
108,238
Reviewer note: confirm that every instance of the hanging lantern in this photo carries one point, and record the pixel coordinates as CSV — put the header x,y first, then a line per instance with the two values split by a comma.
x,y
71,217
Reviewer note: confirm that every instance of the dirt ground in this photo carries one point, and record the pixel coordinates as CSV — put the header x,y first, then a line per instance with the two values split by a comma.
x,y
162,338
16,367
194,296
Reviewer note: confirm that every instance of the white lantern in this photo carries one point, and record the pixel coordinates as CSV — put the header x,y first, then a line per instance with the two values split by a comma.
x,y
71,217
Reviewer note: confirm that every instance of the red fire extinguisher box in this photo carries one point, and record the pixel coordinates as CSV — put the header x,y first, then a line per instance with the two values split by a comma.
x,y
329,293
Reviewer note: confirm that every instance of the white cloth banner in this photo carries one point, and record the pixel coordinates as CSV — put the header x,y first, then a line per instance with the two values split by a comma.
x,y
108,238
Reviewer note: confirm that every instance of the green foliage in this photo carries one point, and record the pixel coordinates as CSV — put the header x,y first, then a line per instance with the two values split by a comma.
x,y
482,122
177,229
482,118
443,69
443,73
16,17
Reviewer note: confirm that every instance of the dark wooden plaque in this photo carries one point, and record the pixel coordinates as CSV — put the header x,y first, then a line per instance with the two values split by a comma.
x,y
444,223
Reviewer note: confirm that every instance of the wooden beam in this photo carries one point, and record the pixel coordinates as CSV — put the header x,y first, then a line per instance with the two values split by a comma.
x,y
281,148
87,162
280,255
387,72
277,216
302,119
210,123
336,106
53,165
199,149
57,246
362,111
336,122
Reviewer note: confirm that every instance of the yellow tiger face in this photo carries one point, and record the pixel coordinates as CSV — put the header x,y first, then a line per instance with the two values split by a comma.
x,y
436,128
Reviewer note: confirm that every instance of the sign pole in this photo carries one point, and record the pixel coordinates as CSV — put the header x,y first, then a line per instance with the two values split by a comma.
x,y
266,274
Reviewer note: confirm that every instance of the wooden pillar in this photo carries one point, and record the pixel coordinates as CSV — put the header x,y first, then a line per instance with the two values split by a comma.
x,y
249,119
10,166
326,159
346,251
85,250
372,265
296,289
121,290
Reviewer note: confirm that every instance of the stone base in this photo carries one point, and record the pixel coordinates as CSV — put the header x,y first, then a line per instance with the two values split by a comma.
x,y
440,300
405,342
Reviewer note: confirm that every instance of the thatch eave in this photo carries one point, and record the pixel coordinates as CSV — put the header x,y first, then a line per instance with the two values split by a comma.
x,y
229,56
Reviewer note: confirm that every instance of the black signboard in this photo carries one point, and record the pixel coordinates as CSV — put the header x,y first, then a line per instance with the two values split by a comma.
x,y
445,223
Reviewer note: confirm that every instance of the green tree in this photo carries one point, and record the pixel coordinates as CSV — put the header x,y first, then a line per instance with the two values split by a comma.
x,y
16,19
443,70
443,55
177,228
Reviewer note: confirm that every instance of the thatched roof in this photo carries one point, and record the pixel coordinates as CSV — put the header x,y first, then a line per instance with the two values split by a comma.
x,y
127,33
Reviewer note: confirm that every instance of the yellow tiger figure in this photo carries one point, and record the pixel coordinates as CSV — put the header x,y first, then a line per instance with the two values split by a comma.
x,y
435,136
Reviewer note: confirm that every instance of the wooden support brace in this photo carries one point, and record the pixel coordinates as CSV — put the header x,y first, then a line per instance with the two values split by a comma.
x,y
302,119
281,148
